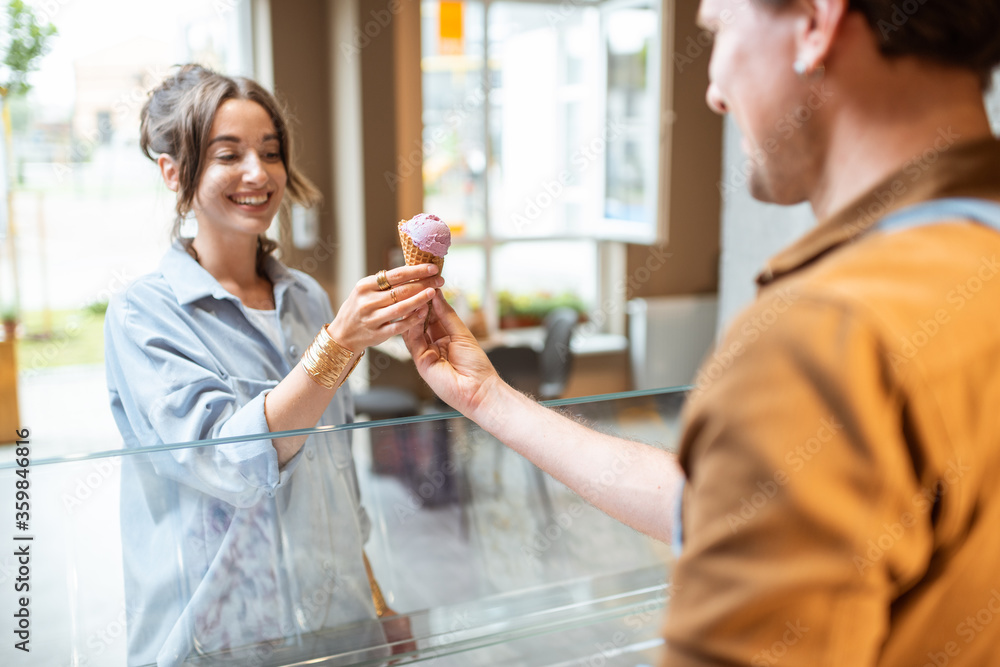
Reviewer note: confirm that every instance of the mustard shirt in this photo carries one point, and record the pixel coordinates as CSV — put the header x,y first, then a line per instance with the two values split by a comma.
x,y
842,447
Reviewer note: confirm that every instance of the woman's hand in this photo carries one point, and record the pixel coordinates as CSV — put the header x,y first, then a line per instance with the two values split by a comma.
x,y
451,361
370,315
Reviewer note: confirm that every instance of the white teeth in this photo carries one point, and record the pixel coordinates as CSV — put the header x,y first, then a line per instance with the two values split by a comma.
x,y
251,201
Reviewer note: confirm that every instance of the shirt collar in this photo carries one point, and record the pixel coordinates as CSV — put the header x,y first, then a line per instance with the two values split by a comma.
x,y
189,281
956,170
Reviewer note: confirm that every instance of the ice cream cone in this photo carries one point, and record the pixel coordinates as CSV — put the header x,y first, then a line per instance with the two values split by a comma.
x,y
414,255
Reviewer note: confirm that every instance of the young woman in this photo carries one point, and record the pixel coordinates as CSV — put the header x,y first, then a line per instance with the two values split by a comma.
x,y
258,539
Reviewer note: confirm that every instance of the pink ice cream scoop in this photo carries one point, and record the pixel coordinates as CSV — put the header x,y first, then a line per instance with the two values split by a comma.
x,y
428,233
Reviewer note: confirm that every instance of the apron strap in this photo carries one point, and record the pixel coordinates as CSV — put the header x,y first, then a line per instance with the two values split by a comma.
x,y
983,211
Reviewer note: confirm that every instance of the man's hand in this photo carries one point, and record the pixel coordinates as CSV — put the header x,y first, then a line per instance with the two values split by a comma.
x,y
450,359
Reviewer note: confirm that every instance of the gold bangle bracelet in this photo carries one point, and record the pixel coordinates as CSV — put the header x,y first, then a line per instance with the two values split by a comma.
x,y
325,359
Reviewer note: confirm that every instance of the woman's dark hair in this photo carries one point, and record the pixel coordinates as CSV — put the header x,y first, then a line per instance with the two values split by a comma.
x,y
177,120
958,33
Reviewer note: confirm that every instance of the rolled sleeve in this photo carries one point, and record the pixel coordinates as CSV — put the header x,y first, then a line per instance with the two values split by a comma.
x,y
255,460
170,391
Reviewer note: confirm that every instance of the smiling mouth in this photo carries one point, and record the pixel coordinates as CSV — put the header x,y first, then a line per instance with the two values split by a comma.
x,y
250,200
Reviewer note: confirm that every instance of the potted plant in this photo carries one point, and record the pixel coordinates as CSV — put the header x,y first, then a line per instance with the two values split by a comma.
x,y
8,316
528,310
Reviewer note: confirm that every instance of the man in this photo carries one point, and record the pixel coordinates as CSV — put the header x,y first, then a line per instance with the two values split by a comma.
x,y
843,473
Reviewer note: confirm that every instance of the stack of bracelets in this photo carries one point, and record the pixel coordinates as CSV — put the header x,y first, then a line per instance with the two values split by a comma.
x,y
326,359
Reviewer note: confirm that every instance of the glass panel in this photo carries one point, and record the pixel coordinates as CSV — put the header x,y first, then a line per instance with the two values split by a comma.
x,y
487,560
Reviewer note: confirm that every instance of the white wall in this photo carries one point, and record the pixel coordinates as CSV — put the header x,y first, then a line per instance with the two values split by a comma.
x,y
752,232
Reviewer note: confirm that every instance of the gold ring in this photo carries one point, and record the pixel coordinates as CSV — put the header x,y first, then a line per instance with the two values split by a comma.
x,y
392,293
382,282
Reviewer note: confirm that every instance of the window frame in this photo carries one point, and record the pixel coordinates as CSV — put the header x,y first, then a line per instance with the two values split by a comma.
x,y
608,236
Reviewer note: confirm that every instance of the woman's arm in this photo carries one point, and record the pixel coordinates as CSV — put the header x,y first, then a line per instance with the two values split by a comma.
x,y
634,483
369,316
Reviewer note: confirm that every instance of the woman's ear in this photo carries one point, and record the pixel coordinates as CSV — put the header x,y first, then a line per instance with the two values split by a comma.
x,y
168,169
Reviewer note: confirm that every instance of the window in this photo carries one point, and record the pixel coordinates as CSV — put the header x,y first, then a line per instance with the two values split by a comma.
x,y
91,212
541,143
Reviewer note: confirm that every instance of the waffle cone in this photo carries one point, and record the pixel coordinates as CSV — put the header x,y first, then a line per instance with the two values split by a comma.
x,y
414,255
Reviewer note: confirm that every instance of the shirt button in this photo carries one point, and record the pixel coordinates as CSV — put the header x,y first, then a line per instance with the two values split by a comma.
x,y
293,350
310,454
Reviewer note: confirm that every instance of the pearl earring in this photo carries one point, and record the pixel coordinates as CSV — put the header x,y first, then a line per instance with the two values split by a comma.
x,y
804,71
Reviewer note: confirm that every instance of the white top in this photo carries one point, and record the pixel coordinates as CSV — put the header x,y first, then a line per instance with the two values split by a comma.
x,y
267,322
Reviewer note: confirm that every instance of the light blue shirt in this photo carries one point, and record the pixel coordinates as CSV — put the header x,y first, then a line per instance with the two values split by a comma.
x,y
221,547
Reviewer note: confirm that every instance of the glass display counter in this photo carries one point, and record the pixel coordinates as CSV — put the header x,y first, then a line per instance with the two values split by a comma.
x,y
486,560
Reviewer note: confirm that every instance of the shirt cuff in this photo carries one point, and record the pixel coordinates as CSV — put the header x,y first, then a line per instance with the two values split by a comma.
x,y
257,460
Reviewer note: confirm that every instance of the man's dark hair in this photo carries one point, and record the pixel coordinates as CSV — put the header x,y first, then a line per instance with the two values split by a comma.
x,y
959,33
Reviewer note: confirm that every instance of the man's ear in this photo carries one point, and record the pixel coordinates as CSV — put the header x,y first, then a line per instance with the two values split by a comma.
x,y
170,172
823,22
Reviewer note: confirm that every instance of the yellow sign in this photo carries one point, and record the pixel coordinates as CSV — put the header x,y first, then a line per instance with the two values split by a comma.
x,y
450,28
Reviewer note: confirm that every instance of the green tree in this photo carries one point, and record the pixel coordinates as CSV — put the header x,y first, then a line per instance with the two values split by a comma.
x,y
25,42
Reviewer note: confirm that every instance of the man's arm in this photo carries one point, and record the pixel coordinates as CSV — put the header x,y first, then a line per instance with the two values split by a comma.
x,y
632,482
